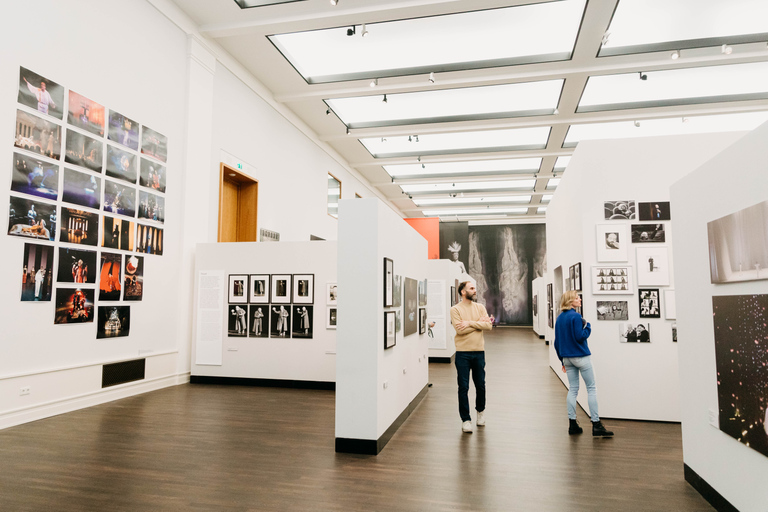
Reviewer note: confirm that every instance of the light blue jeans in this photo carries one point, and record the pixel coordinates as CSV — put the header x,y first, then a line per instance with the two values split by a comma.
x,y
583,365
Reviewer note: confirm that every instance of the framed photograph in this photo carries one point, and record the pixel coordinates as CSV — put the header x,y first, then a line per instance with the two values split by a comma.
x,y
237,321
331,294
390,329
655,211
149,239
303,288
86,114
411,301
423,293
81,188
258,316
76,266
648,233
639,333
152,175
280,288
389,286
737,248
37,273
535,305
580,309
613,310
37,135
84,151
279,321
670,308
551,318
422,320
41,94
79,227
399,321
113,322
151,206
154,144
74,305
303,320
110,276
121,164
119,199
613,280
652,266
674,332
330,318
549,296
117,233
397,291
32,219
123,130
35,177
650,303
133,282
571,278
577,277
238,286
620,210
458,295
612,242
453,298
259,289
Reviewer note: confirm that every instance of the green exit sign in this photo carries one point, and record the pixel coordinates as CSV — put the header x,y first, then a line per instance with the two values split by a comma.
x,y
239,166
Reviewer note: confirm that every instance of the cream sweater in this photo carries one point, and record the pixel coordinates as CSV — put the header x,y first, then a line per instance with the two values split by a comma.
x,y
470,339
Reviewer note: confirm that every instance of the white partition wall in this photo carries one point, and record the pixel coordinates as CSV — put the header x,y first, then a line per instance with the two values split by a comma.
x,y
444,273
539,291
376,388
718,465
634,380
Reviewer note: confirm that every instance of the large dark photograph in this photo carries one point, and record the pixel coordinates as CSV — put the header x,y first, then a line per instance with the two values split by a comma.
x,y
454,243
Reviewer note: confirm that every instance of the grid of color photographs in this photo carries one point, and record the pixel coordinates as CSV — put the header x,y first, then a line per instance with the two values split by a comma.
x,y
58,189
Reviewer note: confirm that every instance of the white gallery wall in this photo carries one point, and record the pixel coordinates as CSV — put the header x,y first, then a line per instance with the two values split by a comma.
x,y
634,380
539,290
442,346
732,180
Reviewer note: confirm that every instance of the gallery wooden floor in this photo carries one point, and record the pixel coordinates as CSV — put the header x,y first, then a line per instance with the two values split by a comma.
x,y
218,448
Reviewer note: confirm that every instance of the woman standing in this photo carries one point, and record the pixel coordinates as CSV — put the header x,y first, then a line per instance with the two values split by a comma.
x,y
571,333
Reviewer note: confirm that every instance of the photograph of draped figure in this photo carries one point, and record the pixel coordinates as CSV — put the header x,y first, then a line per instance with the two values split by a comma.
x,y
504,261
454,243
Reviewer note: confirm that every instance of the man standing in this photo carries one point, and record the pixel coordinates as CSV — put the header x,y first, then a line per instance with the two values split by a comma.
x,y
43,97
470,320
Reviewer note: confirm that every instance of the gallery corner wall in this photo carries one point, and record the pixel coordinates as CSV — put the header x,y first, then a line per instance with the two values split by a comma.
x,y
445,274
732,180
640,170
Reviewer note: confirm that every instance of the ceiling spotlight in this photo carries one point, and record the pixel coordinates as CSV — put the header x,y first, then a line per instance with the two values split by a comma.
x,y
637,124
685,119
383,139
364,31
423,166
334,2
643,76
385,99
727,50
415,138
374,82
328,112
675,55
418,158
351,31
432,77
410,139
347,130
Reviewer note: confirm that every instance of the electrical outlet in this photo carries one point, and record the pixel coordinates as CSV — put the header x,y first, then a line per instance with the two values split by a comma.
x,y
232,349
713,420
24,391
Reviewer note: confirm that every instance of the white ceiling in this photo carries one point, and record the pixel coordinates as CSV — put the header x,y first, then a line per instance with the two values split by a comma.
x,y
454,119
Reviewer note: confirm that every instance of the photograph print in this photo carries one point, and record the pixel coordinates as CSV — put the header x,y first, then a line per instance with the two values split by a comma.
x,y
629,333
303,320
237,321
670,306
330,318
397,291
41,94
619,210
280,321
37,135
152,175
121,164
110,277
577,277
151,207
149,239
76,266
652,266
259,289
389,286
411,306
303,288
35,177
81,188
399,321
74,305
654,211
79,227
133,282
86,114
154,144
650,304
113,321
613,280
612,242
737,248
422,320
390,327
454,244
259,321
37,273
648,233
612,310
32,219
117,233
280,288
84,151
238,289
423,293
331,294
123,130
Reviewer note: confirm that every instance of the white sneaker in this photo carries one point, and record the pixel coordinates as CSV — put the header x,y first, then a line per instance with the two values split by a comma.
x,y
481,418
466,427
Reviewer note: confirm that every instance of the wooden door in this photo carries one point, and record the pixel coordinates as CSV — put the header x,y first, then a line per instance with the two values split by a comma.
x,y
230,199
238,206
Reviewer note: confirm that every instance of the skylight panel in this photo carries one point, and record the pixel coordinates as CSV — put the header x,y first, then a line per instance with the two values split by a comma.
x,y
475,186
562,162
546,198
552,183
475,211
474,201
506,165
247,4
541,210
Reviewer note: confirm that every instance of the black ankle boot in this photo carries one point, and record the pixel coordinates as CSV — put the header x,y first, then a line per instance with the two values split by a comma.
x,y
574,428
598,429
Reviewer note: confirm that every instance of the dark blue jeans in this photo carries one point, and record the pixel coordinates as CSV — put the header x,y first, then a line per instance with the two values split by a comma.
x,y
474,361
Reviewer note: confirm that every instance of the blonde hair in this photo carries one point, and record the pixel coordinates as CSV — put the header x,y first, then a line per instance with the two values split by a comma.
x,y
566,302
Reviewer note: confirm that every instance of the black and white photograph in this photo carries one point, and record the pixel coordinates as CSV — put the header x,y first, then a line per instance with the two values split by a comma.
x,y
549,296
113,321
614,280
84,151
280,321
670,306
121,164
389,286
32,219
238,289
422,320
454,243
280,288
35,177
423,293
612,310
411,303
81,188
453,299
237,321
149,239
259,289
154,144
78,227
303,288
41,94
551,319
74,305
741,359
650,303
620,210
151,206
37,135
571,278
674,332
133,282
654,211
580,309
634,333
397,291
331,294
399,321
648,233
737,248
123,130
303,320
117,233
76,266
258,318
652,266
330,318
37,273
111,276
612,242
86,114
390,328
535,304
577,277
119,199
152,175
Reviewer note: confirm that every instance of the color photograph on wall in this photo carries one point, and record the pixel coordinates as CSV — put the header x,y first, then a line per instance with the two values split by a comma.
x,y
630,333
411,307
113,321
35,177
151,206
303,320
37,135
133,282
86,114
31,219
654,211
619,210
259,289
84,151
152,175
81,188
76,266
237,321
74,305
737,248
117,233
41,94
648,233
612,310
649,301
119,199
149,239
280,321
612,242
741,356
652,266
154,144
613,280
79,227
37,273
110,276
123,130
258,316
121,164
303,288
